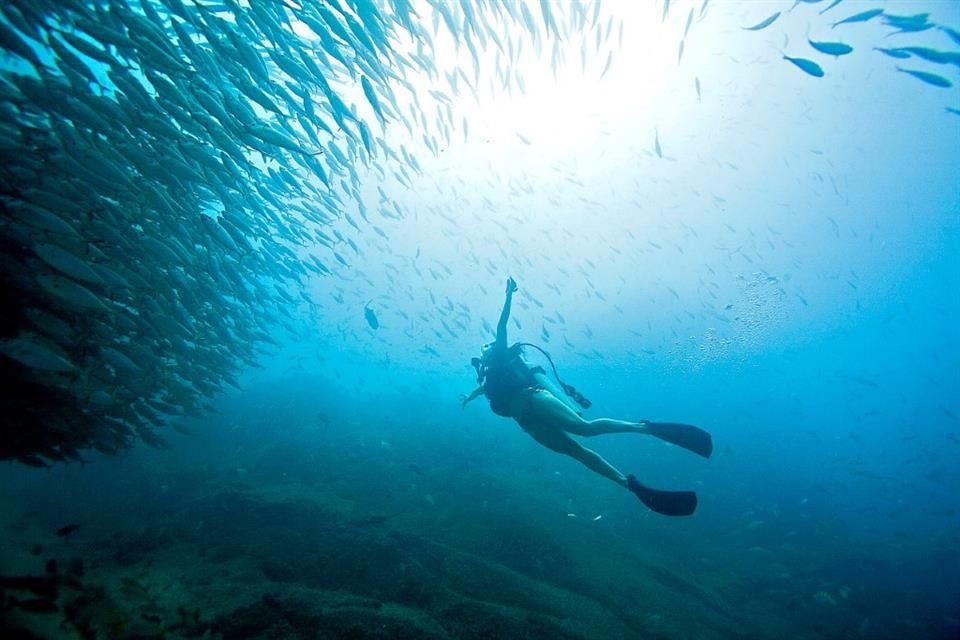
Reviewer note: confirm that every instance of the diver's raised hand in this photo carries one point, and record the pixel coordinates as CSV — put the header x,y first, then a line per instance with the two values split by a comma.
x,y
511,285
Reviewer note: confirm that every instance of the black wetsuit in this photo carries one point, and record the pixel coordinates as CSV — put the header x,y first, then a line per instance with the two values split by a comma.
x,y
505,375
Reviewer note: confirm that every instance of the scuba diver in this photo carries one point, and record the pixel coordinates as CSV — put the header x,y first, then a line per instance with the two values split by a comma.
x,y
524,393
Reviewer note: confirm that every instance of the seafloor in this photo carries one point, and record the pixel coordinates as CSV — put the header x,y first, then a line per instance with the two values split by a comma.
x,y
280,521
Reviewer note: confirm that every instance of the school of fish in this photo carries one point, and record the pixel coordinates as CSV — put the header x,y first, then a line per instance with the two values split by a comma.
x,y
170,173
915,23
173,169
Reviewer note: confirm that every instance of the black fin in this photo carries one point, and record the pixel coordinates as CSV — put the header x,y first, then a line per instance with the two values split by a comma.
x,y
687,436
668,503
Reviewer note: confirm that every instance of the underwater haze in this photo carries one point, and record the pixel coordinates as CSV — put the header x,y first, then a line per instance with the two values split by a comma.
x,y
250,248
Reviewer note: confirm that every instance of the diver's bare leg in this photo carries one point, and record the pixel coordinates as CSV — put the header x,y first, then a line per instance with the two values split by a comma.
x,y
559,441
600,426
547,420
551,409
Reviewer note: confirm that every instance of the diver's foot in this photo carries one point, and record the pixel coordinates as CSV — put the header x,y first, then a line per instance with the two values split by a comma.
x,y
668,503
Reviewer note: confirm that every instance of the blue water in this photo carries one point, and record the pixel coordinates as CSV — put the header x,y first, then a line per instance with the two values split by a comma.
x,y
712,235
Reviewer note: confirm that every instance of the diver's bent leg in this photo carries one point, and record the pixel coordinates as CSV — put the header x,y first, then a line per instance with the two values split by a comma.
x,y
556,440
595,462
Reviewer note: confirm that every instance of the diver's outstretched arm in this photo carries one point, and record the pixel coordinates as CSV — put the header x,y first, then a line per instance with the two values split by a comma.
x,y
476,393
501,341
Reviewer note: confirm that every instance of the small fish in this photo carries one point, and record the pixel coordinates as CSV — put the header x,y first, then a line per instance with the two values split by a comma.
x,y
67,531
953,110
831,48
863,16
930,78
953,33
909,24
371,95
893,53
933,55
371,316
656,144
832,5
764,24
807,66
696,84
606,67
